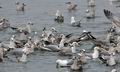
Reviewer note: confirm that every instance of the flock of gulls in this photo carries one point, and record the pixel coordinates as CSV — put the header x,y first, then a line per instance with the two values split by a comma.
x,y
21,44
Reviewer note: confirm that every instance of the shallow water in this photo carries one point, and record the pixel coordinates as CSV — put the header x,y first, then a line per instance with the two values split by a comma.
x,y
41,13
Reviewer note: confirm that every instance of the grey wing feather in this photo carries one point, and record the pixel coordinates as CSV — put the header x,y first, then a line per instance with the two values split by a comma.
x,y
112,17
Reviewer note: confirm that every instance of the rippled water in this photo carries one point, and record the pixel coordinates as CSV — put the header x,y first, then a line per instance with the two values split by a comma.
x,y
41,13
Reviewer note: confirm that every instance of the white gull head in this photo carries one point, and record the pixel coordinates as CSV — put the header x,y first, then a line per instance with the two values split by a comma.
x,y
85,31
114,70
57,13
72,19
87,11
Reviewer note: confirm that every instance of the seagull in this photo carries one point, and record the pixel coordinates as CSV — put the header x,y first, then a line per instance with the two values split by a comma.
x,y
26,29
95,53
4,23
57,13
1,54
75,23
83,57
23,37
111,61
113,70
20,7
59,17
64,39
90,14
52,48
71,6
114,19
77,65
36,38
63,63
12,44
91,3
69,50
108,60
23,58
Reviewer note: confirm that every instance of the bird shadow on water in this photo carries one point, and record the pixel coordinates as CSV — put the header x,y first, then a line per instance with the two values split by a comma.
x,y
67,69
92,19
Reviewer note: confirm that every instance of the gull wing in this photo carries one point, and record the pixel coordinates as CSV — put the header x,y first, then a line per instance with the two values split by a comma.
x,y
112,17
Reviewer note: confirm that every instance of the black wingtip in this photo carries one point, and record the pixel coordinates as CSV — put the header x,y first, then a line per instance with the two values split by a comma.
x,y
69,35
108,13
44,29
13,28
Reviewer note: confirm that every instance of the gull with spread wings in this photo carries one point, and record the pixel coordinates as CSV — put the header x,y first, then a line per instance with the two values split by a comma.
x,y
115,20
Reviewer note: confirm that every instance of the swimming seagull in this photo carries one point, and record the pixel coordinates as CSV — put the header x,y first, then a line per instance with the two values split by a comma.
x,y
4,23
23,58
108,60
73,48
69,50
36,39
20,54
64,39
71,6
59,17
113,70
95,53
57,13
75,23
91,3
83,57
1,54
77,65
52,48
26,29
23,37
63,63
12,44
20,7
111,60
90,14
